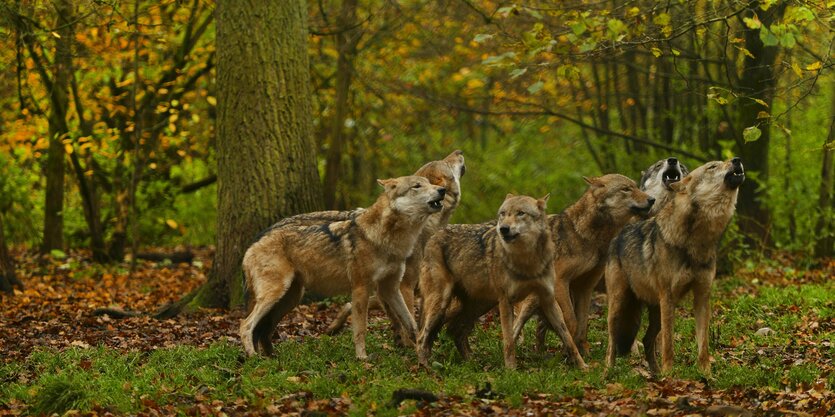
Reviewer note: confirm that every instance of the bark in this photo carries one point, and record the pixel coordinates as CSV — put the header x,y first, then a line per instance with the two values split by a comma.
x,y
346,45
53,231
825,245
8,278
266,158
758,80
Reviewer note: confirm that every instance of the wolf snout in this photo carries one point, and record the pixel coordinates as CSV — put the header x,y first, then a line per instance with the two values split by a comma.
x,y
736,175
442,191
672,161
651,200
507,236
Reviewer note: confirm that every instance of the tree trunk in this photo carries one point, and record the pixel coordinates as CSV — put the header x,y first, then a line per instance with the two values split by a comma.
x,y
757,82
346,44
8,278
825,245
266,158
53,231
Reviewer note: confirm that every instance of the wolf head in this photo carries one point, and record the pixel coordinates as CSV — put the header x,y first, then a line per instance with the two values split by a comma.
x,y
619,196
522,219
446,173
714,184
657,179
413,195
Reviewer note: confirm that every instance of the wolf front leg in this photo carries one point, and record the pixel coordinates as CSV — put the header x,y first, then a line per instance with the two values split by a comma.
x,y
388,290
701,310
668,307
359,315
508,342
555,318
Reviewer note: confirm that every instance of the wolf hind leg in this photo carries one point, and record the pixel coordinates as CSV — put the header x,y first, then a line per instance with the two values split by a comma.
x,y
269,287
651,337
264,330
339,322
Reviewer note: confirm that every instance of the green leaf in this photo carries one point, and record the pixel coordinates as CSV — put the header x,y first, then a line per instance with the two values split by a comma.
x,y
578,28
517,72
751,134
799,14
481,37
535,87
752,22
655,51
616,27
58,254
767,37
662,19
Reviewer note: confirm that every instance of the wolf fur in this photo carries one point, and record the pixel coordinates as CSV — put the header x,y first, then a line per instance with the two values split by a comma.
x,y
355,256
482,265
656,262
446,173
581,234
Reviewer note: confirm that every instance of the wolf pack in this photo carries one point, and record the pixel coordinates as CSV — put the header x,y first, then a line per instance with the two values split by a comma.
x,y
653,243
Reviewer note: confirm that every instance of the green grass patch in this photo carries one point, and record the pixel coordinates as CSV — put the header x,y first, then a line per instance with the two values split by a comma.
x,y
52,381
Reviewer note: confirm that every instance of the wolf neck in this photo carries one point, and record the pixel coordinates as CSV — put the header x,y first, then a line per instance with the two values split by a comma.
x,y
388,229
529,261
689,225
592,221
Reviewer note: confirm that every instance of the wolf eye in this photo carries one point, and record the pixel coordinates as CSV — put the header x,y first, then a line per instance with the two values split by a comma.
x,y
416,185
520,213
712,166
626,189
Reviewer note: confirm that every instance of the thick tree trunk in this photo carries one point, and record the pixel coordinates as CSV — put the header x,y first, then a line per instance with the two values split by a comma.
x,y
346,43
266,158
8,278
825,245
53,231
757,82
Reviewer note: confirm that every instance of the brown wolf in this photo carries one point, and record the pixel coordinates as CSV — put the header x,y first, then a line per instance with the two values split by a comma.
x,y
582,233
359,256
446,173
483,265
657,261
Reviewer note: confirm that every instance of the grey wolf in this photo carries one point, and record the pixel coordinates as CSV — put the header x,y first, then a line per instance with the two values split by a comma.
x,y
356,256
581,234
656,262
658,179
482,265
446,173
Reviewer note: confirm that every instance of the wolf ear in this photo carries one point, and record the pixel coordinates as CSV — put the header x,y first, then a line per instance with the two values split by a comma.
x,y
387,184
542,202
595,181
508,196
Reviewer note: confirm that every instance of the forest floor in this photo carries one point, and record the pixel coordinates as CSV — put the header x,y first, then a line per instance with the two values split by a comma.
x,y
56,356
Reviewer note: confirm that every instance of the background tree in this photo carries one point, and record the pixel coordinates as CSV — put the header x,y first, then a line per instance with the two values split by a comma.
x,y
266,158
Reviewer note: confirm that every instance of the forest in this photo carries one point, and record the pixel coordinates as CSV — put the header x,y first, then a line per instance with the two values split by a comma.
x,y
145,144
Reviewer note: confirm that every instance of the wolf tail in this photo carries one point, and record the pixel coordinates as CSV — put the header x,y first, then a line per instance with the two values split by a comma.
x,y
627,322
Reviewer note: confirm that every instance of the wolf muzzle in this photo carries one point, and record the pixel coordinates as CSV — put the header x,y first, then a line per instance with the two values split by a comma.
x,y
736,175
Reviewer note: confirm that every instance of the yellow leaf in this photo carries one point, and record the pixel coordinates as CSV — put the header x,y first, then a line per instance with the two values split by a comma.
x,y
657,52
171,223
763,115
475,83
55,34
797,70
211,100
814,67
68,148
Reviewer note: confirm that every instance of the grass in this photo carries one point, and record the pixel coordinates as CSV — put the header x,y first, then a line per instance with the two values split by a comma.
x,y
78,379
